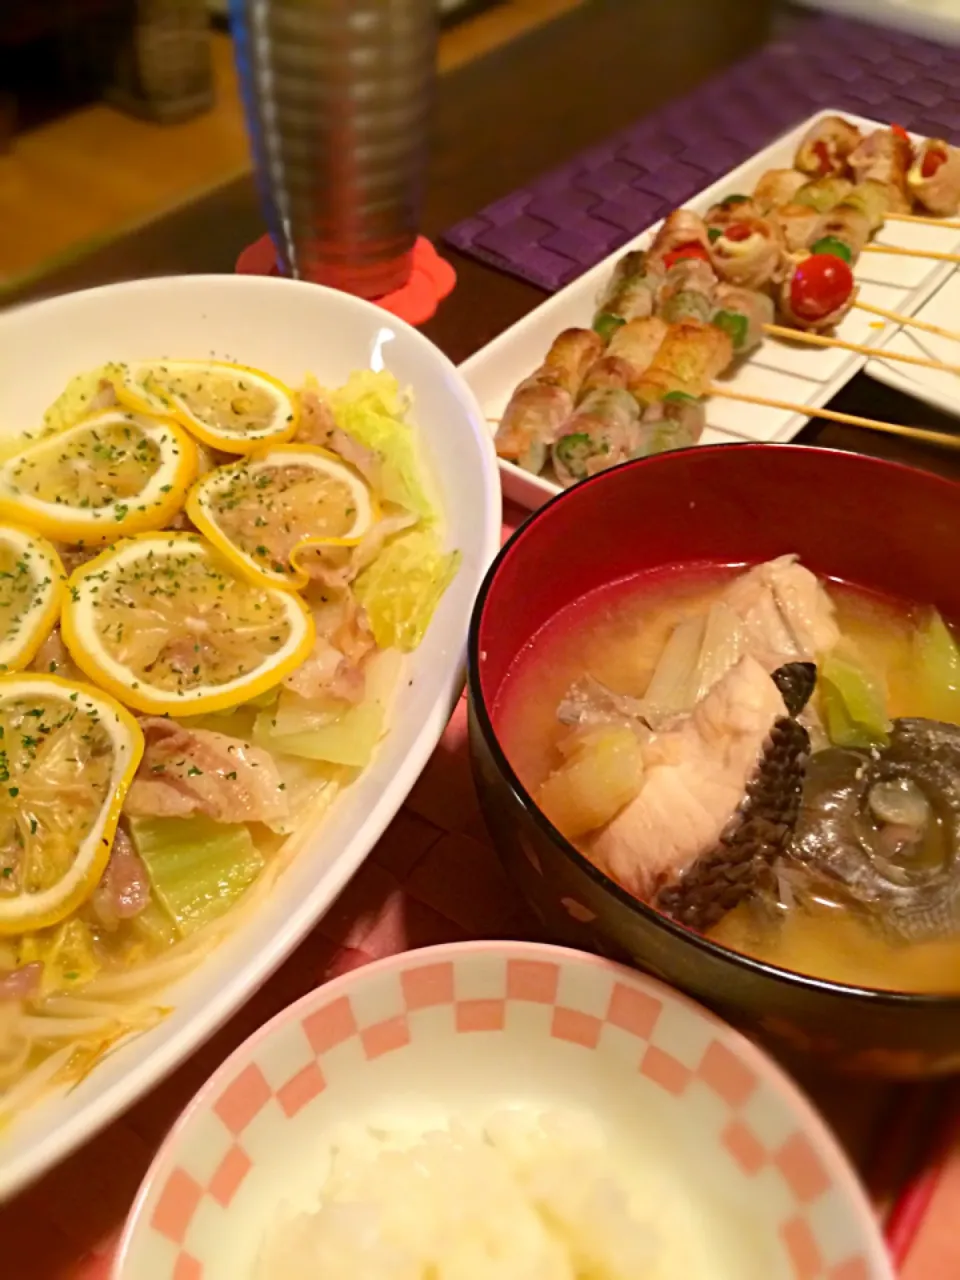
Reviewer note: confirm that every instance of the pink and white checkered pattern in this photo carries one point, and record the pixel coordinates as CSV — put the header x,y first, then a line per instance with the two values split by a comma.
x,y
561,1009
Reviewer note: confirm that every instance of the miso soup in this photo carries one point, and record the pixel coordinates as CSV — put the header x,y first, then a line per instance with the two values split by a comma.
x,y
766,757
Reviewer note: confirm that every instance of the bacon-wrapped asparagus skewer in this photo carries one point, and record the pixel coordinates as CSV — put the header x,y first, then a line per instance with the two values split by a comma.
x,y
621,414
630,294
645,394
667,369
541,404
660,405
634,291
541,407
687,291
605,428
743,314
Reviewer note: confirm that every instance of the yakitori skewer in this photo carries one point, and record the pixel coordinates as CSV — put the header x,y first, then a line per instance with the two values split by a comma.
x,y
674,317
842,190
910,322
671,328
925,220
943,438
928,175
936,255
924,434
818,340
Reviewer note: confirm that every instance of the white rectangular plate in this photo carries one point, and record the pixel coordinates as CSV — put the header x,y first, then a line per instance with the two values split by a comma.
x,y
938,305
803,375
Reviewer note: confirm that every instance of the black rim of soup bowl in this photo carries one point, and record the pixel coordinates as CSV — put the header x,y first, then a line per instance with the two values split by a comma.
x,y
784,977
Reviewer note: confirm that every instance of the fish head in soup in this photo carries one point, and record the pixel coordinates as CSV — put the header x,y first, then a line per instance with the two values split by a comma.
x,y
880,829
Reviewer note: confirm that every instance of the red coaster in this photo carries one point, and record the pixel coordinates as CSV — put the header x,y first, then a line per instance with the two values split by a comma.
x,y
430,281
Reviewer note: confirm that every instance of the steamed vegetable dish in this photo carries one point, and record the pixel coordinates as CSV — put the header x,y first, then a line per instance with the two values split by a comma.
x,y
208,582
767,758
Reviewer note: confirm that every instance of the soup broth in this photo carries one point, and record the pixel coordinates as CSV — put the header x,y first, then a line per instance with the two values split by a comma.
x,y
617,637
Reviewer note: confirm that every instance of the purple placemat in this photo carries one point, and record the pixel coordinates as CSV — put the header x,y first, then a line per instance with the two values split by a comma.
x,y
571,218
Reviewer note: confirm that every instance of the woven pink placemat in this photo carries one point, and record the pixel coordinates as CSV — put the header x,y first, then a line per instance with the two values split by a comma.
x,y
434,877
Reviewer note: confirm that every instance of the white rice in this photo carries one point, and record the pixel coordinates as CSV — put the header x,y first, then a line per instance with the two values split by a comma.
x,y
529,1196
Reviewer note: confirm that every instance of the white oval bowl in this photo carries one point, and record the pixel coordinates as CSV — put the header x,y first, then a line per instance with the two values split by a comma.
x,y
289,329
466,1029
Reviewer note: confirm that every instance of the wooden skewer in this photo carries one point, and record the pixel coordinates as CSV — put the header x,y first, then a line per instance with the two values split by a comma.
x,y
880,353
911,253
831,415
910,322
850,419
926,220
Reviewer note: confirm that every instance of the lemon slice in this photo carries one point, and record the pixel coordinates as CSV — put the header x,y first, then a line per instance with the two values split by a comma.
x,y
168,625
113,474
31,590
68,756
264,511
227,406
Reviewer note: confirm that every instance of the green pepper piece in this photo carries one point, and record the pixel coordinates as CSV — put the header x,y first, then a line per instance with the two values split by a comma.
x,y
734,325
574,450
714,233
831,245
677,397
606,325
735,199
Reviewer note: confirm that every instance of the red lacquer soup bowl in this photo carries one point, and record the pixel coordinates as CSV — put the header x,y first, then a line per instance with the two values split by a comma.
x,y
877,525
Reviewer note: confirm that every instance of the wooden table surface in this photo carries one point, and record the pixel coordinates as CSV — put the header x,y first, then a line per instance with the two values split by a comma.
x,y
500,121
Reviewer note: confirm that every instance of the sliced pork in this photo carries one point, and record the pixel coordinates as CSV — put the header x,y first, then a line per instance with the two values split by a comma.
x,y
188,771
335,666
124,888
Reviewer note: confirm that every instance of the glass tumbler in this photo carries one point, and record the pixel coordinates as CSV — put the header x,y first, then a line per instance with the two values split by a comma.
x,y
337,96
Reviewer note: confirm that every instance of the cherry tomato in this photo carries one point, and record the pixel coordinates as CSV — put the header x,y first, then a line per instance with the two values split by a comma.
x,y
692,250
899,131
822,152
821,284
931,163
738,231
